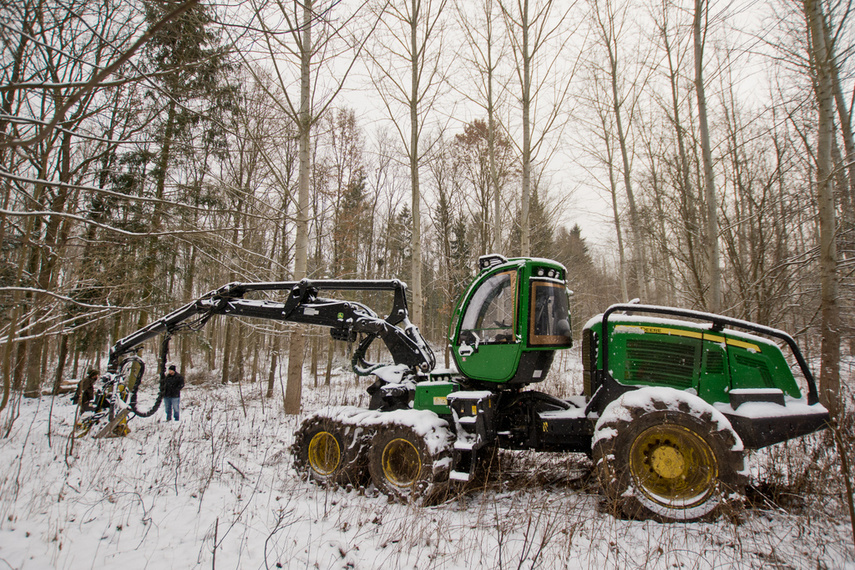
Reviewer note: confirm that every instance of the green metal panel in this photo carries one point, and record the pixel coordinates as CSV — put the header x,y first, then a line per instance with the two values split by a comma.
x,y
432,396
491,363
714,380
680,355
758,364
640,357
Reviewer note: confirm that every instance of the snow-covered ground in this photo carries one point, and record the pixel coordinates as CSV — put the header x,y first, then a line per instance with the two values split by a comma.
x,y
217,490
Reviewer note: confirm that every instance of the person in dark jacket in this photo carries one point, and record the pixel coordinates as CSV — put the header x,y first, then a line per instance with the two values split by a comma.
x,y
172,384
86,391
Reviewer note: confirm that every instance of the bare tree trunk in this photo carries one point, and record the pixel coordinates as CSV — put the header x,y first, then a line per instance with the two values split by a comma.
x,y
637,234
843,112
328,371
714,298
278,328
190,273
846,174
688,211
212,343
624,291
491,141
20,362
314,365
829,370
8,350
60,364
255,350
75,363
416,241
610,40
227,341
294,385
10,338
525,199
536,28
240,333
274,363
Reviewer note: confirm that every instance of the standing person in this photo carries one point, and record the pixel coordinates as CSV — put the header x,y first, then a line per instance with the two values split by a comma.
x,y
172,384
86,391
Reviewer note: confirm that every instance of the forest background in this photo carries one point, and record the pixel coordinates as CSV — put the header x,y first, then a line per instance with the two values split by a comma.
x,y
151,151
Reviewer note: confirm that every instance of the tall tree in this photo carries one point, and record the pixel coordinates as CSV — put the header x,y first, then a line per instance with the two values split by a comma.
x,y
485,161
304,40
303,37
411,46
448,218
539,33
609,21
347,181
486,53
700,27
821,58
688,226
188,62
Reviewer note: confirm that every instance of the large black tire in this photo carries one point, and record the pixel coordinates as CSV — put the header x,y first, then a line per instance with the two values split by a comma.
x,y
667,455
404,467
328,452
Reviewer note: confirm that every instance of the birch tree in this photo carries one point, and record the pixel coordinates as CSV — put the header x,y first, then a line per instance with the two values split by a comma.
x,y
540,35
304,41
687,200
821,58
408,70
486,52
609,22
699,30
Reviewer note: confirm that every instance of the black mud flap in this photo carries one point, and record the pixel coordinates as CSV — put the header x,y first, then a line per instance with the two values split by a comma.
x,y
757,432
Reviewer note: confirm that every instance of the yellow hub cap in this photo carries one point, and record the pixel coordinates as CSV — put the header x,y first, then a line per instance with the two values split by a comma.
x,y
324,453
668,462
673,465
401,463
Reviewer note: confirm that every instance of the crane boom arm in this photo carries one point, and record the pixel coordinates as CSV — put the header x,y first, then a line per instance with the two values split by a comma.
x,y
345,319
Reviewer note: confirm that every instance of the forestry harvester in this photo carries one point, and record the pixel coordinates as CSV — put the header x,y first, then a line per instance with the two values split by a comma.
x,y
672,398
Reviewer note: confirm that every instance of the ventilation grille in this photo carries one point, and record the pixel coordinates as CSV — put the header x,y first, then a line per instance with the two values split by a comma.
x,y
759,366
661,363
715,362
587,364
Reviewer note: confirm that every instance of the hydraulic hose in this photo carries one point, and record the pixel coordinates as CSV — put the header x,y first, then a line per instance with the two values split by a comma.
x,y
164,350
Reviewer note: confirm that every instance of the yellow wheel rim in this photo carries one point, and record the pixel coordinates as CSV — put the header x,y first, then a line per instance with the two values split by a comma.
x,y
673,465
324,453
401,463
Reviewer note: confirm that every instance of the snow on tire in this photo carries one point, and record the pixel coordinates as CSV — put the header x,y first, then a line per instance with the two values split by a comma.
x,y
329,451
410,460
667,455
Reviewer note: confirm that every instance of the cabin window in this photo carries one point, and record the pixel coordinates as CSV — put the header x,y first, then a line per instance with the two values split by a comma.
x,y
550,321
490,316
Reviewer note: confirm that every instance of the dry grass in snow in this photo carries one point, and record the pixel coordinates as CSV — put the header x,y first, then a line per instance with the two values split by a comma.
x,y
217,491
